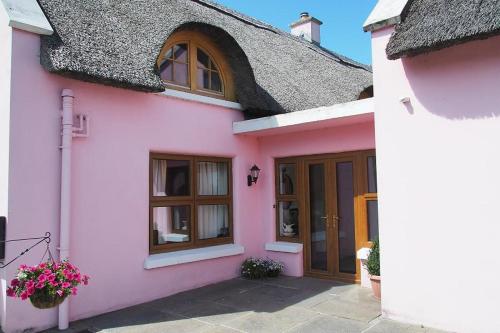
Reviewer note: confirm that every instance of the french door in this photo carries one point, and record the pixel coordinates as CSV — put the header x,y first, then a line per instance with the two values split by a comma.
x,y
330,217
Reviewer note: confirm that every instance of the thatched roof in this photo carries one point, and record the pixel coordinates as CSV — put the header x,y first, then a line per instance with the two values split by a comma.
x,y
429,25
117,43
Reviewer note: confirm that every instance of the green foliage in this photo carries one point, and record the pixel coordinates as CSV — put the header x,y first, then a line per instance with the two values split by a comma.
x,y
373,262
259,268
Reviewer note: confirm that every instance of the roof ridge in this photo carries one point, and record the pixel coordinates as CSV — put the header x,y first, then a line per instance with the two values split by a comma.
x,y
263,25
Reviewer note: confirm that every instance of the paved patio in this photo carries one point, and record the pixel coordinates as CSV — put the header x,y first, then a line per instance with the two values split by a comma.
x,y
275,305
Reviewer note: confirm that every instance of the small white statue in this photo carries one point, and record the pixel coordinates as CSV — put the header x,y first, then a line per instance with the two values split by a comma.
x,y
288,230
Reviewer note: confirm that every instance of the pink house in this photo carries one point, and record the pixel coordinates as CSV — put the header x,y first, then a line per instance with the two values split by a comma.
x,y
131,137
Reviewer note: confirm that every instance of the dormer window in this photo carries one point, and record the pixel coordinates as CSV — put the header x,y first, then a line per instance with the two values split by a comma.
x,y
175,66
190,61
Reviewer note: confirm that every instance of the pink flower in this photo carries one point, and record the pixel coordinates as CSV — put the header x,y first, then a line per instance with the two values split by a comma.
x,y
11,292
86,279
30,291
14,283
60,293
47,272
40,285
52,277
42,265
53,283
66,285
24,295
74,291
30,283
42,278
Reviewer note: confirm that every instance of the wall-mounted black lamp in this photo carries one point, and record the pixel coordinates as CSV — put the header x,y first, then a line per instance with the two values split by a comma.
x,y
253,176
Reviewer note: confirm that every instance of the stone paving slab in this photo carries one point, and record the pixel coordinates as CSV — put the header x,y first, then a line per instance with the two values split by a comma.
x,y
276,305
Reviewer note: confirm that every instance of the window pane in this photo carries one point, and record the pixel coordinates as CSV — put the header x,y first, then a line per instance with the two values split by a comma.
x,y
216,82
372,213
213,178
166,70
171,224
288,215
181,74
169,54
319,232
202,75
372,174
203,59
213,221
287,179
171,178
180,53
345,224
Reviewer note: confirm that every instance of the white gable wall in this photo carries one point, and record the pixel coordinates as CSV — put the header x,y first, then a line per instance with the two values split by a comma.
x,y
26,15
5,80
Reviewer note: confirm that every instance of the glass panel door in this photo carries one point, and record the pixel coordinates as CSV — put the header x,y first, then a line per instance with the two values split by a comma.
x,y
345,217
318,219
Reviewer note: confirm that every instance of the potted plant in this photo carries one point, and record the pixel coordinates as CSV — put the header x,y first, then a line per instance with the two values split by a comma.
x,y
47,284
373,267
259,268
274,268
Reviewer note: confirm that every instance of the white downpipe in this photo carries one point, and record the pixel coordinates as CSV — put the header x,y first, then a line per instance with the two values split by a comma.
x,y
67,140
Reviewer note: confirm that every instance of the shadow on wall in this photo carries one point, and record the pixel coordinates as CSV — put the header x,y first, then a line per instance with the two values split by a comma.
x,y
460,82
256,101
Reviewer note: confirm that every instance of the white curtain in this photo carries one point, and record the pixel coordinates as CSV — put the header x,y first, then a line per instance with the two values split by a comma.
x,y
159,178
213,220
161,215
212,178
161,222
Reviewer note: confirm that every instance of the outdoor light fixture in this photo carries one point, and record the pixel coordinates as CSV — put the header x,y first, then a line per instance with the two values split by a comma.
x,y
253,176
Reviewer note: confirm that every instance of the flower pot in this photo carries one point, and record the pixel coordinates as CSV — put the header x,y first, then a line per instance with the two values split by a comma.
x,y
42,301
273,273
375,280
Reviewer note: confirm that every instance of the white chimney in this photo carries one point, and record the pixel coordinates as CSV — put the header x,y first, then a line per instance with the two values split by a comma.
x,y
308,28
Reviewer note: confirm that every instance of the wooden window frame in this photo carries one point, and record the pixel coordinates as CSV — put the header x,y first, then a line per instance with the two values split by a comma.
x,y
193,200
194,41
365,196
297,197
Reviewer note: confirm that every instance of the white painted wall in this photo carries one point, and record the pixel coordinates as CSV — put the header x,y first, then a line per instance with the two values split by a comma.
x,y
438,163
5,83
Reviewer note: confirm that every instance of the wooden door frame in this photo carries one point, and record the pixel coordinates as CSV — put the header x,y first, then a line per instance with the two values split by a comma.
x,y
360,196
307,221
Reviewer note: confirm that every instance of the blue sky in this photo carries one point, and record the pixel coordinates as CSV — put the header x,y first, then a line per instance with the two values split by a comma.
x,y
342,29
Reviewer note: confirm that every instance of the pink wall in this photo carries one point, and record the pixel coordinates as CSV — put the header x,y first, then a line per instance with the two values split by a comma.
x,y
438,180
109,233
319,141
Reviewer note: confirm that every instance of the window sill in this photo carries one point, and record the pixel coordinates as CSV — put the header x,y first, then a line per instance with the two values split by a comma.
x,y
201,99
286,247
192,255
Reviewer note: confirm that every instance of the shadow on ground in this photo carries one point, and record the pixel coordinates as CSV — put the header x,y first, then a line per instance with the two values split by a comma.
x,y
276,305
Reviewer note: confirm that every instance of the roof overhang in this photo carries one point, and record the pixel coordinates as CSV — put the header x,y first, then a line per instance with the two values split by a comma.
x,y
27,15
330,116
385,13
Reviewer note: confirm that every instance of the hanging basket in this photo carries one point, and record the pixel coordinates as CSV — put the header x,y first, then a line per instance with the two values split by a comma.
x,y
43,301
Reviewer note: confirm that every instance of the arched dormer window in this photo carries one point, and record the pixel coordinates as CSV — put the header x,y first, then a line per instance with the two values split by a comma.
x,y
191,62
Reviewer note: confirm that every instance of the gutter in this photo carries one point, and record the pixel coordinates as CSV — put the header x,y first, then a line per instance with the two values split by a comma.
x,y
65,217
69,131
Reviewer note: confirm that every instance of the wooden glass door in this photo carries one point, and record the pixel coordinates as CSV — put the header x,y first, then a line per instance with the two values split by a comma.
x,y
330,240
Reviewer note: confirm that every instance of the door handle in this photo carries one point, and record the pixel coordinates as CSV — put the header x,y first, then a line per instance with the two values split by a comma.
x,y
325,219
335,219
